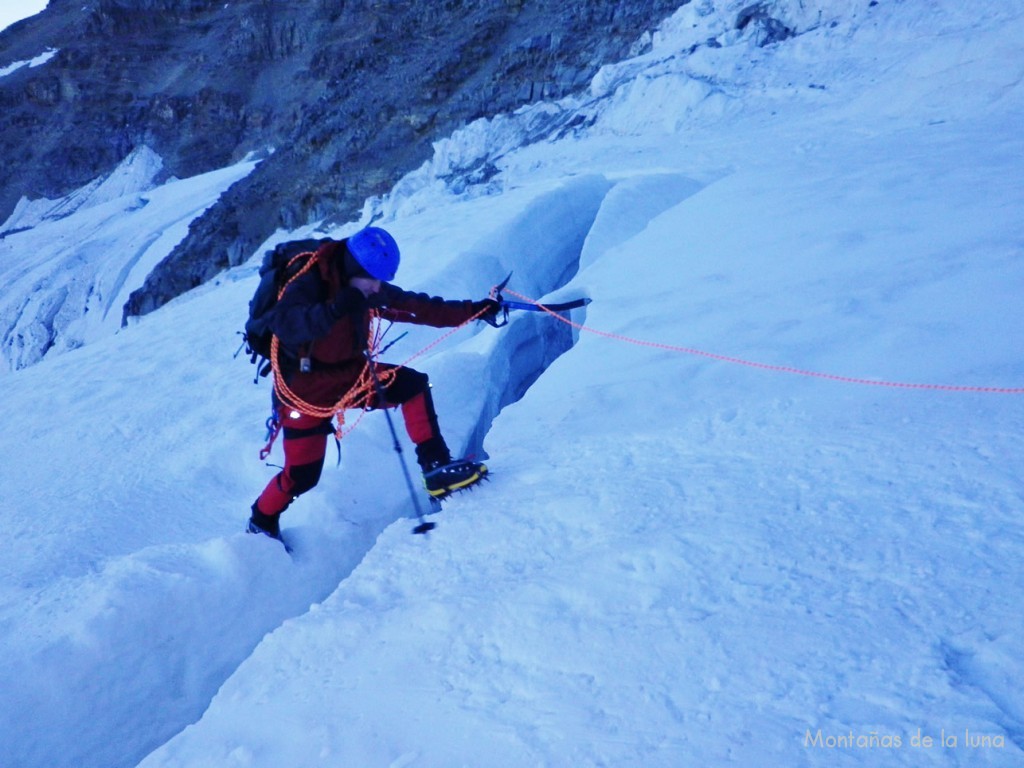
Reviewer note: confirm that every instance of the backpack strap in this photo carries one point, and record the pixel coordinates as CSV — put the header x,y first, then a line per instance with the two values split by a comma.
x,y
327,257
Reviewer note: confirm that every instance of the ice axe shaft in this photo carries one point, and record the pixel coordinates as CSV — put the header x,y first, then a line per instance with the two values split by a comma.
x,y
424,526
558,307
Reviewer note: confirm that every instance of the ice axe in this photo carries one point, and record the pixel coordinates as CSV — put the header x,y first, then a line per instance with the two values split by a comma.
x,y
506,305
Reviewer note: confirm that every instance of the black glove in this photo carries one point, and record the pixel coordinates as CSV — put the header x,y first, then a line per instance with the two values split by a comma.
x,y
490,308
349,301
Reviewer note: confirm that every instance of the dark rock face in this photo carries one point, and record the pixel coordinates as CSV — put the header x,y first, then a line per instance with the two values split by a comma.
x,y
349,93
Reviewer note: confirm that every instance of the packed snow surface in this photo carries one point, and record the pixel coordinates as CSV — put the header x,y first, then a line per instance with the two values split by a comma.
x,y
681,559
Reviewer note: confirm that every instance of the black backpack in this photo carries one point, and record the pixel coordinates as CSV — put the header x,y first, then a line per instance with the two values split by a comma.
x,y
279,265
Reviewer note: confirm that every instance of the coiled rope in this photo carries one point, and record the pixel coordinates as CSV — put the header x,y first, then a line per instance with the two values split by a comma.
x,y
361,394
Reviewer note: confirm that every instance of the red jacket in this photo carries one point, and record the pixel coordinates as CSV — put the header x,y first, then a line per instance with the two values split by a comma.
x,y
322,318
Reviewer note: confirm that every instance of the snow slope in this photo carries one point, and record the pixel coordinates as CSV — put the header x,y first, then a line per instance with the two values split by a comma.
x,y
679,560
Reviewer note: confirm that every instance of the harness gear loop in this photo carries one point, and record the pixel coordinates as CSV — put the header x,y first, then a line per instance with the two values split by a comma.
x,y
273,430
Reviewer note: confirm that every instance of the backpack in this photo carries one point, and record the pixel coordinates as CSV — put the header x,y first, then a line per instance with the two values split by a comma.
x,y
279,265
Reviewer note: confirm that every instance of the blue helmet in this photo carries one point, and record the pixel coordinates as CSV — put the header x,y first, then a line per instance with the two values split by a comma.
x,y
376,251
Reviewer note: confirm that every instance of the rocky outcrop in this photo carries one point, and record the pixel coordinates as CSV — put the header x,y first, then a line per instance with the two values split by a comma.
x,y
768,29
349,95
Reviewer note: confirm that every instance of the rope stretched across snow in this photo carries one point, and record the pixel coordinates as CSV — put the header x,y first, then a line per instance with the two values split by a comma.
x,y
770,367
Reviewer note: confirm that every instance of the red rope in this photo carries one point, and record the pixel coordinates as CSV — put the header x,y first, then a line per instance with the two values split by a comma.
x,y
768,366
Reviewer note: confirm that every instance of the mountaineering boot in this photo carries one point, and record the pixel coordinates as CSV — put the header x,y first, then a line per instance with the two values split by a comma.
x,y
442,479
268,525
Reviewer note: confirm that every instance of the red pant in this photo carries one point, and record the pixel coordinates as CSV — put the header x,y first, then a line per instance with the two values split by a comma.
x,y
305,440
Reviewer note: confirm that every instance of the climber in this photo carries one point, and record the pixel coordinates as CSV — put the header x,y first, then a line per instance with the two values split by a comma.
x,y
322,322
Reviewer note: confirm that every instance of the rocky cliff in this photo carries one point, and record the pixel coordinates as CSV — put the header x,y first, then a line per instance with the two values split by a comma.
x,y
348,95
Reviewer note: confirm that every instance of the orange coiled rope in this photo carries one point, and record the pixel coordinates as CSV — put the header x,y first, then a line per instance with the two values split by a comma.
x,y
360,394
